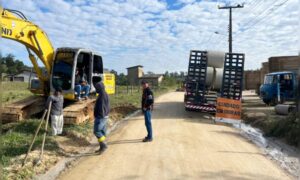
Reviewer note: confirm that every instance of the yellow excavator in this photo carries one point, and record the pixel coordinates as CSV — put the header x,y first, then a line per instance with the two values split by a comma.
x,y
60,65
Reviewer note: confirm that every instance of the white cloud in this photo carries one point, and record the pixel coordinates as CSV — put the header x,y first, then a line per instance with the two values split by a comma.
x,y
131,32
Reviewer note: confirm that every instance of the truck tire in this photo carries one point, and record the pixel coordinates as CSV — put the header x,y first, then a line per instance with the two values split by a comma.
x,y
187,109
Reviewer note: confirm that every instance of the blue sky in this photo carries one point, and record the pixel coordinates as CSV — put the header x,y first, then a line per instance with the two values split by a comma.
x,y
159,34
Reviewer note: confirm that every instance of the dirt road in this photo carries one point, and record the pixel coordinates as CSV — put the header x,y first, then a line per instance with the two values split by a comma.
x,y
187,145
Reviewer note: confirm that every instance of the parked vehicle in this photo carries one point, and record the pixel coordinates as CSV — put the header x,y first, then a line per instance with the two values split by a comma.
x,y
279,87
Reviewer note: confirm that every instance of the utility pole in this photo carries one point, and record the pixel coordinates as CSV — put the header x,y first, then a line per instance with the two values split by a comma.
x,y
230,23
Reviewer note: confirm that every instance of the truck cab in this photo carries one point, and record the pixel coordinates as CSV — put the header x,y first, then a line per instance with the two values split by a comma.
x,y
278,87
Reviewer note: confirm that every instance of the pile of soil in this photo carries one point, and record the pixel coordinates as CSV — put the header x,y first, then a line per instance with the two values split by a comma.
x,y
120,112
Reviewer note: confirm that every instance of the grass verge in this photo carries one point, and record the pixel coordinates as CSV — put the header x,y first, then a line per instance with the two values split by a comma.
x,y
16,139
14,91
285,128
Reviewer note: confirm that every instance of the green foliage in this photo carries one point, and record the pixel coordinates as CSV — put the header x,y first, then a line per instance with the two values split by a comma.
x,y
169,81
289,129
18,138
121,79
84,128
10,65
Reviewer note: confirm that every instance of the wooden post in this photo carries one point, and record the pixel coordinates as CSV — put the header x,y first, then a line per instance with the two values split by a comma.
x,y
46,128
35,135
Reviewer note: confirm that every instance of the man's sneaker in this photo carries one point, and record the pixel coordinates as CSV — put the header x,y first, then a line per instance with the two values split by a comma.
x,y
86,98
146,139
78,99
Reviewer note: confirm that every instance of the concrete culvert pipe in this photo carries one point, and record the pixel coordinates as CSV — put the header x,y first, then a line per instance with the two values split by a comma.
x,y
214,77
283,109
215,59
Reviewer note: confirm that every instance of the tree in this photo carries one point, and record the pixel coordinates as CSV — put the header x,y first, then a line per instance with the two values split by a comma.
x,y
121,79
10,65
167,74
150,72
114,72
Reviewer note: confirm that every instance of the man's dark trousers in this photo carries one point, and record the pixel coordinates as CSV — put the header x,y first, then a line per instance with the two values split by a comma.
x,y
147,115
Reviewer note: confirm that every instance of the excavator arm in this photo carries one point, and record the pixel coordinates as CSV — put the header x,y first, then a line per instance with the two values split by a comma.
x,y
15,26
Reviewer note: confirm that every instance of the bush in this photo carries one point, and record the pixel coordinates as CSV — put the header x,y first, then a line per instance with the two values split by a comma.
x,y
289,129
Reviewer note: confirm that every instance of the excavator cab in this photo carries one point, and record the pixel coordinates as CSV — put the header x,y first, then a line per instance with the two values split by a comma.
x,y
67,61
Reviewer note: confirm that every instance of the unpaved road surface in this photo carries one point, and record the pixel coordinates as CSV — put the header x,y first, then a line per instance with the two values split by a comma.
x,y
187,145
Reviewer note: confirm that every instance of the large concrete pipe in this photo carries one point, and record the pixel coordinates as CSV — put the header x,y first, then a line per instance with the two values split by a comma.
x,y
214,77
284,109
215,59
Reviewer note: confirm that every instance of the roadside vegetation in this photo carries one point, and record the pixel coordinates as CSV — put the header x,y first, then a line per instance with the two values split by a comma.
x,y
15,140
288,129
285,128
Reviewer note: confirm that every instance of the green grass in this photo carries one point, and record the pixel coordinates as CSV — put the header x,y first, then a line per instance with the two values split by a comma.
x,y
83,128
128,96
13,91
16,140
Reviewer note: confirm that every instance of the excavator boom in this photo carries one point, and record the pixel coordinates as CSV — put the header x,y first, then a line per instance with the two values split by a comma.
x,y
15,26
60,70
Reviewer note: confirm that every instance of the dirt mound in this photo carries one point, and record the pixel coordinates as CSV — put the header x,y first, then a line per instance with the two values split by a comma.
x,y
119,112
73,143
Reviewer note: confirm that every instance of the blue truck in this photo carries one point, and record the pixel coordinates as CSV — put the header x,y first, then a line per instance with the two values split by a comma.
x,y
279,87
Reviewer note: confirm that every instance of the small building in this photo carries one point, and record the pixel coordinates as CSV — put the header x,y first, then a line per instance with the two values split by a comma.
x,y
152,79
134,73
25,76
284,63
252,79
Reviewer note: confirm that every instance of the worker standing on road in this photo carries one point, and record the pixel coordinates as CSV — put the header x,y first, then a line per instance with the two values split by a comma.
x,y
101,112
57,118
147,107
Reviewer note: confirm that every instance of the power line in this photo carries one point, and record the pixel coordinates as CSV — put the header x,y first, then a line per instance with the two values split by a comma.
x,y
257,16
273,9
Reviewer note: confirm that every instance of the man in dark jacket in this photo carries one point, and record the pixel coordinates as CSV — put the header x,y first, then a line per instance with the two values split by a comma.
x,y
57,118
147,107
101,112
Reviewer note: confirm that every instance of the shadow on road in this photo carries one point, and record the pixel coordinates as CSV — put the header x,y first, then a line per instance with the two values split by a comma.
x,y
232,175
125,141
238,152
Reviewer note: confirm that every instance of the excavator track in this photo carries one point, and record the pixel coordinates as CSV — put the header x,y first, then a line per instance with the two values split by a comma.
x,y
79,112
74,113
23,109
